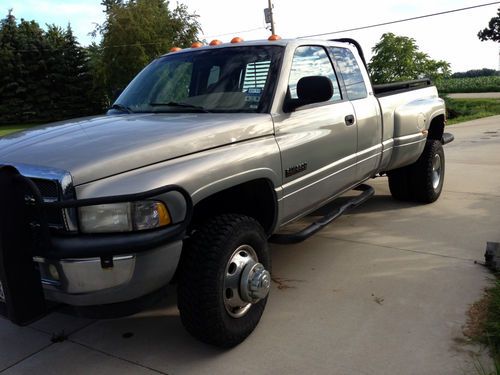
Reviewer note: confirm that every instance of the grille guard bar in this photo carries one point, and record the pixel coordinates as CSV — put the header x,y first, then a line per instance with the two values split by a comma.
x,y
104,245
25,233
21,283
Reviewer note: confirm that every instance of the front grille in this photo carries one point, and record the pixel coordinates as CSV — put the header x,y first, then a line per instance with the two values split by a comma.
x,y
49,189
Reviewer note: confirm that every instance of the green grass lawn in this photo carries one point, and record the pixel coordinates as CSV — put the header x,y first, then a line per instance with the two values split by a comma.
x,y
6,129
460,110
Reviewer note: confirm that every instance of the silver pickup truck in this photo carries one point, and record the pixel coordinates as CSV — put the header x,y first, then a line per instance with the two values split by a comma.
x,y
203,159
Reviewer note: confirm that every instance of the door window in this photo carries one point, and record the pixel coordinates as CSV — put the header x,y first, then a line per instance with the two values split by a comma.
x,y
312,61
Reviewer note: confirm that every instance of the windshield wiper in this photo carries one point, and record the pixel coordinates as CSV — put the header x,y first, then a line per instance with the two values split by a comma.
x,y
180,105
121,107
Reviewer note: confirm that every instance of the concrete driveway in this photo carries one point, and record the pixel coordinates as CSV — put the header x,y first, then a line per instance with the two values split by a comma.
x,y
384,290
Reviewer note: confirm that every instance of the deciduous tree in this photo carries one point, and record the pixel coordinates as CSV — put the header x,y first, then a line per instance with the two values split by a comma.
x,y
492,32
398,58
138,31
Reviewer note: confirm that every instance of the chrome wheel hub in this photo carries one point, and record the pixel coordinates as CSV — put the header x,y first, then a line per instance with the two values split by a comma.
x,y
246,281
255,283
436,171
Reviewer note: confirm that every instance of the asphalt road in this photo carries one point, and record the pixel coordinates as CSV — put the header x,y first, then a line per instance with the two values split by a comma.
x,y
383,290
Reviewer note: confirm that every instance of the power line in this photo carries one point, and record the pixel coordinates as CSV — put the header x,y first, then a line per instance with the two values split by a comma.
x,y
233,33
402,20
306,36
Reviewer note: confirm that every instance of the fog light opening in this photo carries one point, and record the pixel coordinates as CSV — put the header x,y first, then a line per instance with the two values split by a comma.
x,y
53,272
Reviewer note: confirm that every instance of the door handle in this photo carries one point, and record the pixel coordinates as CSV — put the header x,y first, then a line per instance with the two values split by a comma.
x,y
349,120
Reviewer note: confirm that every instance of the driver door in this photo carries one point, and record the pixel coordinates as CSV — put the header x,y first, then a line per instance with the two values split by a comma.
x,y
317,141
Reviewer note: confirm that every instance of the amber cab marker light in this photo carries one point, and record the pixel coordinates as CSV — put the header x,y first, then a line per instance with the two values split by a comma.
x,y
197,45
274,37
215,42
236,39
175,49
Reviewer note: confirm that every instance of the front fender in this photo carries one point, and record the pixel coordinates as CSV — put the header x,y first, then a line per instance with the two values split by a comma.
x,y
201,174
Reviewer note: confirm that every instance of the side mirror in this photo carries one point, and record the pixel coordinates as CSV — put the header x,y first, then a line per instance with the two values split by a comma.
x,y
311,89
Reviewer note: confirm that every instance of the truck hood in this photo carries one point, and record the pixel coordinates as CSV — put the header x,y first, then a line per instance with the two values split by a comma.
x,y
96,147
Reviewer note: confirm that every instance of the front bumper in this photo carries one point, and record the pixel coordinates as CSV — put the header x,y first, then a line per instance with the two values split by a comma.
x,y
38,264
89,281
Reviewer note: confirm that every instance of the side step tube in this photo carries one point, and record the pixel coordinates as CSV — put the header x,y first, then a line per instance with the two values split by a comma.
x,y
447,138
367,193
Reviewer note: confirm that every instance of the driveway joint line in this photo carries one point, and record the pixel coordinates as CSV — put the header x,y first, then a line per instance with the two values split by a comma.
x,y
471,193
400,249
67,333
117,357
27,357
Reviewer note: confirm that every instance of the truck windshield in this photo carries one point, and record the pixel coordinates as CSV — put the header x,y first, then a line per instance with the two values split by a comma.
x,y
232,79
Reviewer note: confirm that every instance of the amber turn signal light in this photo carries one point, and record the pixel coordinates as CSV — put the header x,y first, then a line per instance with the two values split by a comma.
x,y
215,42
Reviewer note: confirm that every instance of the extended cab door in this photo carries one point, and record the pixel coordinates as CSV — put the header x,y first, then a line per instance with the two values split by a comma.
x,y
317,141
354,78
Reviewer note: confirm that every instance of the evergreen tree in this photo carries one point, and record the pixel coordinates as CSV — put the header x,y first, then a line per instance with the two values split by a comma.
x,y
44,75
47,75
32,53
94,57
10,77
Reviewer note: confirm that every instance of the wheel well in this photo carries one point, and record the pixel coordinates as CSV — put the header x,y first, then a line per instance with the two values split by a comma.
x,y
255,198
436,129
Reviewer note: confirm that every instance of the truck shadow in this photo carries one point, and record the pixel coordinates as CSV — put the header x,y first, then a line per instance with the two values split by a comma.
x,y
156,338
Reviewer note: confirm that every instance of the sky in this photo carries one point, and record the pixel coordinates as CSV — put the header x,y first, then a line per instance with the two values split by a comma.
x,y
451,37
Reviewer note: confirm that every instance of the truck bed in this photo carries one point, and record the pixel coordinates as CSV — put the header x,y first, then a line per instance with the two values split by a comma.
x,y
399,87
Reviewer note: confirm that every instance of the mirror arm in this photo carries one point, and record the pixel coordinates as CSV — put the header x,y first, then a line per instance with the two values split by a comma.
x,y
290,105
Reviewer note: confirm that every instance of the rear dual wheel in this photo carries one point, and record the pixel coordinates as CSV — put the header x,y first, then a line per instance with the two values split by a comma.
x,y
423,180
224,280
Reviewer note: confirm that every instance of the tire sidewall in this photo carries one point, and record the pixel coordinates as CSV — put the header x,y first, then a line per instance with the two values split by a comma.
x,y
245,235
435,148
201,279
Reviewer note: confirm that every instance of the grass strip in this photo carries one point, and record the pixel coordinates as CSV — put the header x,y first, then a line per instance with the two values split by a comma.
x,y
7,129
460,110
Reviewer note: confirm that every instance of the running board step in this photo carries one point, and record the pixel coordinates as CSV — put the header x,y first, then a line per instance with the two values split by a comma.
x,y
367,193
447,138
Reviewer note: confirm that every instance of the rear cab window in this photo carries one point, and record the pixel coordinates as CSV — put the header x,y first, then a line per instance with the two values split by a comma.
x,y
350,72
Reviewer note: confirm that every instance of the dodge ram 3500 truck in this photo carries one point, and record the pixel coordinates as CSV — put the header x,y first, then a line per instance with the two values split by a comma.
x,y
201,161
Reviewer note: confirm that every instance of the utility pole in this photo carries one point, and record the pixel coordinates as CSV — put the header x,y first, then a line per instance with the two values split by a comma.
x,y
269,16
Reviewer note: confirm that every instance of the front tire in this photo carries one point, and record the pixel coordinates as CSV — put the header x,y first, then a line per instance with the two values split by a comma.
x,y
214,306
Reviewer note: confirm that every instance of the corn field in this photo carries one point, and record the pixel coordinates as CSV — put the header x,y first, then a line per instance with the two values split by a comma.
x,y
477,84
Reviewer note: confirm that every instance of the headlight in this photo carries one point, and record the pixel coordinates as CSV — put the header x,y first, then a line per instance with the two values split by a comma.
x,y
123,217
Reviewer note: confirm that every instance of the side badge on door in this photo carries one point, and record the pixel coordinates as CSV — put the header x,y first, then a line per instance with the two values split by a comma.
x,y
295,169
